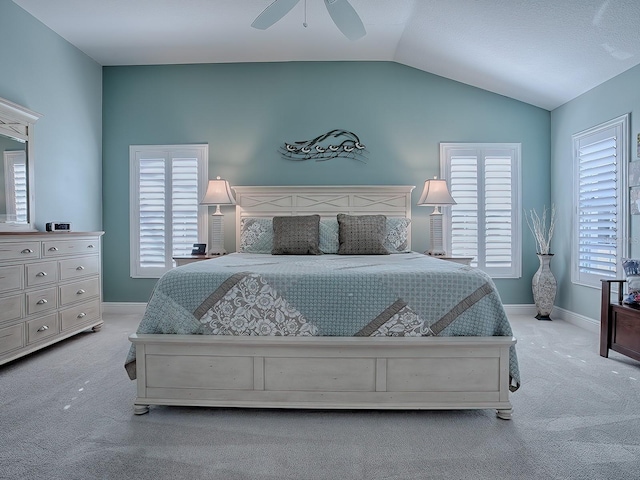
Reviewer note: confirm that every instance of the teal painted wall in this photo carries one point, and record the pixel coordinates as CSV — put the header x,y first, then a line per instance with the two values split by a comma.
x,y
246,111
616,97
43,72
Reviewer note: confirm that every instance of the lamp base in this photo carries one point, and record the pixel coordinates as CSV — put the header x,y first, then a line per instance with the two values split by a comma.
x,y
216,246
435,234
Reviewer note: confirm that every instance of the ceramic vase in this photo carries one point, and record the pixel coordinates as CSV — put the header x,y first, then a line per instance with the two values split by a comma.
x,y
544,287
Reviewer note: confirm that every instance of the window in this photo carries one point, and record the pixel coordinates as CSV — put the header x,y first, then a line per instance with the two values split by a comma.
x,y
600,157
15,167
166,185
484,180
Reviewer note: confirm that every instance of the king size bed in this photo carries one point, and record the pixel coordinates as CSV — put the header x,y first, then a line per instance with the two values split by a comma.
x,y
353,319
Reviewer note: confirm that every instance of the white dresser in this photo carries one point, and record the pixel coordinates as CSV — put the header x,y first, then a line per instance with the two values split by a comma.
x,y
50,289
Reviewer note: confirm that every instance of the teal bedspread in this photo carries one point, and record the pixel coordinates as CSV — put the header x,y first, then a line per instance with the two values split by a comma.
x,y
330,295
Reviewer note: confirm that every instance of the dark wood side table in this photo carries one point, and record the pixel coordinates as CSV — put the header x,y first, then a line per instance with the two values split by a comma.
x,y
462,260
186,259
448,258
619,323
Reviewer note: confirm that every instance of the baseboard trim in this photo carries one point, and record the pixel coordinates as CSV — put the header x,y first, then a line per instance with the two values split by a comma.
x,y
124,308
576,319
138,308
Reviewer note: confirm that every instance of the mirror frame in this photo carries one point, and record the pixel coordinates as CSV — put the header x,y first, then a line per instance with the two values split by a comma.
x,y
17,122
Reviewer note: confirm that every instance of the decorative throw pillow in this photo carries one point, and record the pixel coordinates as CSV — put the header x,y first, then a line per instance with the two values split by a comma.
x,y
256,235
397,239
362,234
329,242
632,271
296,235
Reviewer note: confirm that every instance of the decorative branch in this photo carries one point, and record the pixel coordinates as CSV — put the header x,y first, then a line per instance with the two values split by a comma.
x,y
538,226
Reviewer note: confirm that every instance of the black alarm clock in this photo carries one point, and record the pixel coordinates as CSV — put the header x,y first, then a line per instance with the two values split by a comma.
x,y
58,227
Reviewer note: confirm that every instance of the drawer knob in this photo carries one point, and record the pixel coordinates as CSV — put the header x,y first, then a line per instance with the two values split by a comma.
x,y
53,249
42,301
82,315
90,246
43,328
80,267
41,274
27,250
80,292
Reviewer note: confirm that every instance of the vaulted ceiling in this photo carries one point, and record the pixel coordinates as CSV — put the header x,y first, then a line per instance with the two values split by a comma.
x,y
542,52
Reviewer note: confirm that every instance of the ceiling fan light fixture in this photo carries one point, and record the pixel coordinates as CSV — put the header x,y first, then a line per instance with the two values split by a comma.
x,y
341,12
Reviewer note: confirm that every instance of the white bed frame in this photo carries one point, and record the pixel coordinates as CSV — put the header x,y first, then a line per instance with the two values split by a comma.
x,y
323,372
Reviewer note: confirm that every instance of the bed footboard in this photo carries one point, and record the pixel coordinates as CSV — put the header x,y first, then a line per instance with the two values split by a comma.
x,y
323,372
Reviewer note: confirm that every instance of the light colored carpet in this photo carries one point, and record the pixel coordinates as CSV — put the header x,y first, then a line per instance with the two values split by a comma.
x,y
66,413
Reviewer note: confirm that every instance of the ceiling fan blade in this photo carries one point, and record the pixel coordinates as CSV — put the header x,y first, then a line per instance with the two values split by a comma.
x,y
346,19
273,13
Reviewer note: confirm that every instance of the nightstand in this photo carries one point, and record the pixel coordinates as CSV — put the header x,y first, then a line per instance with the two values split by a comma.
x,y
187,259
461,260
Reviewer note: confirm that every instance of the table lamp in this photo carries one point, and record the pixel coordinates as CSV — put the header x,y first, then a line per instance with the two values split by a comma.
x,y
218,193
436,194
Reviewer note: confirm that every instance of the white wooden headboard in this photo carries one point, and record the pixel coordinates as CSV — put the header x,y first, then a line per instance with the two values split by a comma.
x,y
326,201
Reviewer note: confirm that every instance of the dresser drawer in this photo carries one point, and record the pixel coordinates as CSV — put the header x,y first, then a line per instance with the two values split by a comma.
x,y
79,314
48,281
42,300
11,338
79,267
11,307
19,251
57,248
77,291
41,273
43,327
10,278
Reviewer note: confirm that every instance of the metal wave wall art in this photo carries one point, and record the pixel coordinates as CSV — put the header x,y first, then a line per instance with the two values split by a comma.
x,y
333,144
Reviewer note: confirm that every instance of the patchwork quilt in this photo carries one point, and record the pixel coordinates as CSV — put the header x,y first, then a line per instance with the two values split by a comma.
x,y
332,295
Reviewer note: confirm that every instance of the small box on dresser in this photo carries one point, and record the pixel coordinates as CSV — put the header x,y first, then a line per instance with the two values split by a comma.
x,y
50,289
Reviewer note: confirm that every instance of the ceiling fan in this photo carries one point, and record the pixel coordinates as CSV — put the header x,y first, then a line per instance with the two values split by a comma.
x,y
341,12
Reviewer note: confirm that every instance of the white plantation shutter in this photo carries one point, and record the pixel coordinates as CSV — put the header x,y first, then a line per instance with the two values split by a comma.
x,y
463,186
167,183
599,230
498,212
20,192
15,167
184,205
152,198
484,224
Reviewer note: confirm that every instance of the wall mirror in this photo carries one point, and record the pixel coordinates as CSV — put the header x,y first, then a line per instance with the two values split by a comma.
x,y
17,204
